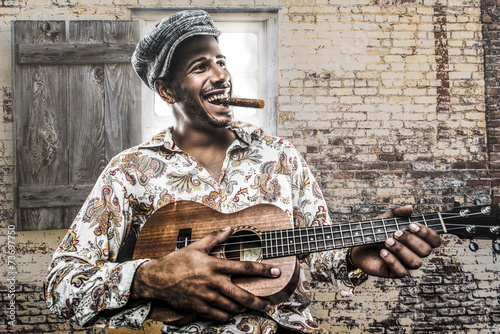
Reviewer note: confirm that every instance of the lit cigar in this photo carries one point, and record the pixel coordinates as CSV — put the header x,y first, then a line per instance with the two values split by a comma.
x,y
246,103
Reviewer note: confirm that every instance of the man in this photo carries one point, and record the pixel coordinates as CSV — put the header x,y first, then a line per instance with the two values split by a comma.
x,y
204,157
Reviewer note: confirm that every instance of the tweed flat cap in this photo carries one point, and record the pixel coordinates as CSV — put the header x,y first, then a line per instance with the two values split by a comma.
x,y
153,54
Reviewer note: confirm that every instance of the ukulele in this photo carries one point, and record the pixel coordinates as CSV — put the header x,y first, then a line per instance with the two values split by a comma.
x,y
263,234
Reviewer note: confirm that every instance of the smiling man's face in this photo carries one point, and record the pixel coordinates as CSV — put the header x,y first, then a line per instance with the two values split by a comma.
x,y
201,82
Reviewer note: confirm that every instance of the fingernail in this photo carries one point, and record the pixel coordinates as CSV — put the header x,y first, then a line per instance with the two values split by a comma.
x,y
384,252
390,242
226,228
275,272
414,227
398,233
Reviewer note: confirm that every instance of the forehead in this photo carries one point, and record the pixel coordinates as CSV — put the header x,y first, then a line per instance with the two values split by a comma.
x,y
195,47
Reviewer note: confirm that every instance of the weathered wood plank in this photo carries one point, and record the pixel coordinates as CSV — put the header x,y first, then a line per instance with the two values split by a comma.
x,y
86,106
86,31
122,110
122,92
43,219
54,196
86,123
40,123
69,54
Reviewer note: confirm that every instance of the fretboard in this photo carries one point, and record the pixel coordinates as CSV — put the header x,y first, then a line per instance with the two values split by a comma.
x,y
307,240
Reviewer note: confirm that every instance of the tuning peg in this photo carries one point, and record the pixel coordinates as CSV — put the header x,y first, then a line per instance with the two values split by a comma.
x,y
473,246
496,246
477,201
456,204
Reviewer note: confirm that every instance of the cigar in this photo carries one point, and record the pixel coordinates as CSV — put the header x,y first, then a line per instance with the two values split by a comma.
x,y
247,103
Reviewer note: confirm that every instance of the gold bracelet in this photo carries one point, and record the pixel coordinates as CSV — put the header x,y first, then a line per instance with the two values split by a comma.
x,y
350,265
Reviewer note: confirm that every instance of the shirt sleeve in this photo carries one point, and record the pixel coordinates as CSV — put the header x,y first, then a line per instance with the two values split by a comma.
x,y
310,209
84,282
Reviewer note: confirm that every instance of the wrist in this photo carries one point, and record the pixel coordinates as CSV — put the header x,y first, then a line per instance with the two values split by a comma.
x,y
139,289
351,265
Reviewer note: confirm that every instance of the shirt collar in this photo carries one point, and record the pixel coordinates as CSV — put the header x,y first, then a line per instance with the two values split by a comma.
x,y
245,133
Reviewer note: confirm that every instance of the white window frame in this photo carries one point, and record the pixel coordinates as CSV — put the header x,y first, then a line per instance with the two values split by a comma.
x,y
267,18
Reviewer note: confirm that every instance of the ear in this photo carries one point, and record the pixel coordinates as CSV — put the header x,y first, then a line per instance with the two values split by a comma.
x,y
165,92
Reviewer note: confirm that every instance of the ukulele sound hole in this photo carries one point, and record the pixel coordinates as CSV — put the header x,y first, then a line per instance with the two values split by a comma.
x,y
243,245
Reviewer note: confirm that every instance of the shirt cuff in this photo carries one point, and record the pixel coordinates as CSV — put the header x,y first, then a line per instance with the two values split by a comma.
x,y
348,279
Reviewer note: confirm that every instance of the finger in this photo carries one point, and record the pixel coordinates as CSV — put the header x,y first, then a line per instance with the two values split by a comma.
x,y
208,311
224,303
402,211
211,240
396,269
404,255
244,298
229,267
429,235
413,242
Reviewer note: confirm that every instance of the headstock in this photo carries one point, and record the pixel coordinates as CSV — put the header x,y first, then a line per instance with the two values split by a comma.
x,y
474,222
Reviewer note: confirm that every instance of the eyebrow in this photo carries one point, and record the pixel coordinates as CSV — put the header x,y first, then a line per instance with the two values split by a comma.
x,y
203,59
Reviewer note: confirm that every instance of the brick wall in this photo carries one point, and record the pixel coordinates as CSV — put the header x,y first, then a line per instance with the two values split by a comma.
x,y
491,37
386,100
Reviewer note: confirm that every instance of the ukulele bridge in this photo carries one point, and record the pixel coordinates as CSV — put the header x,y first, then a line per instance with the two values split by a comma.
x,y
183,238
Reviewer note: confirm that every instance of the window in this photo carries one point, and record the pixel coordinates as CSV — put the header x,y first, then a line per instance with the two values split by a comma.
x,y
249,41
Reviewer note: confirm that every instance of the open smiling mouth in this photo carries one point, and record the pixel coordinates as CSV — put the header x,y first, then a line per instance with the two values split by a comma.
x,y
218,99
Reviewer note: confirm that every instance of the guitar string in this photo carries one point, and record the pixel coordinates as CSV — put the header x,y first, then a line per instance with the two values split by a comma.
x,y
356,232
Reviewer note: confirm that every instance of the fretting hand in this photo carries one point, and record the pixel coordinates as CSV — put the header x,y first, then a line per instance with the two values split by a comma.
x,y
400,253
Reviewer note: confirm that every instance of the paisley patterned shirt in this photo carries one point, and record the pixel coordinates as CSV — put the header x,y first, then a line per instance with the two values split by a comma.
x,y
85,281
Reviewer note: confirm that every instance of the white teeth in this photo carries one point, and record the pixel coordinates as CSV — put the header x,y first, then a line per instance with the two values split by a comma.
x,y
218,97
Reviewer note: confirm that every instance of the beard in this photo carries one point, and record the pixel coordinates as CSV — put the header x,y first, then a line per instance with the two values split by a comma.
x,y
197,114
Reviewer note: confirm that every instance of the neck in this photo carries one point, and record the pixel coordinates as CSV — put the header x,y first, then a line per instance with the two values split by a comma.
x,y
193,139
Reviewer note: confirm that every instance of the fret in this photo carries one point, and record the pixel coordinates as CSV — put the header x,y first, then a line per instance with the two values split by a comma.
x,y
396,221
423,219
289,242
298,241
368,232
271,244
341,235
380,233
329,238
325,246
385,229
373,230
338,241
391,228
317,238
264,244
352,236
303,241
362,234
275,244
282,243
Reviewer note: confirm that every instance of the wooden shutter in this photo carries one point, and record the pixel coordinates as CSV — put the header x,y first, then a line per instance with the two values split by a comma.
x,y
76,104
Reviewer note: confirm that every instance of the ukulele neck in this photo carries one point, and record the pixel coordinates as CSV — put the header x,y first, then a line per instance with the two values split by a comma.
x,y
328,237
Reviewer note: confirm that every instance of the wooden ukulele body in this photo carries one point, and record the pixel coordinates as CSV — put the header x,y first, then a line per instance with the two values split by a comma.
x,y
176,224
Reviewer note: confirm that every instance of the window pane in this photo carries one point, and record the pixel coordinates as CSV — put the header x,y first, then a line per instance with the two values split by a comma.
x,y
240,50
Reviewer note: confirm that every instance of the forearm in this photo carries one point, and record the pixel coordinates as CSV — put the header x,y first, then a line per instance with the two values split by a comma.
x,y
80,291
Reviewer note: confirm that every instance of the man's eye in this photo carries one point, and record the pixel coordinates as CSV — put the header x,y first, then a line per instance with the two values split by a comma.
x,y
200,67
222,63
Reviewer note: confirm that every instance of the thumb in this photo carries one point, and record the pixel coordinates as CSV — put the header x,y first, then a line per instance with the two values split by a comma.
x,y
211,240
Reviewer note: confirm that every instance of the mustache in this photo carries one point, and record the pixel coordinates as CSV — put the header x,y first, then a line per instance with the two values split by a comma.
x,y
217,86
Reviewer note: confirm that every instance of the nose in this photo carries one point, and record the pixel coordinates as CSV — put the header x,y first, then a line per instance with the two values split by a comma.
x,y
219,74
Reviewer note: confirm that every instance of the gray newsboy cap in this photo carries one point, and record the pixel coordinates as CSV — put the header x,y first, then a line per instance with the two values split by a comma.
x,y
153,54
